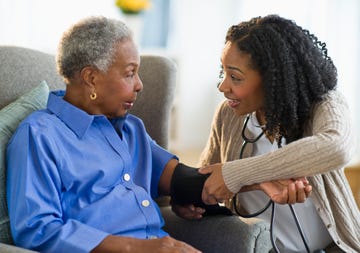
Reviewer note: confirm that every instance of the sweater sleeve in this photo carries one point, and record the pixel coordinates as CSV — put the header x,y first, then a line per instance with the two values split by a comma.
x,y
327,145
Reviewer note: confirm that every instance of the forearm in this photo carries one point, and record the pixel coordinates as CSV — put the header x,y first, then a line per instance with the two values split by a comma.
x,y
117,244
329,137
120,244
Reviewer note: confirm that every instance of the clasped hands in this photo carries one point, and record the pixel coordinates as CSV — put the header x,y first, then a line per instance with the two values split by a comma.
x,y
287,191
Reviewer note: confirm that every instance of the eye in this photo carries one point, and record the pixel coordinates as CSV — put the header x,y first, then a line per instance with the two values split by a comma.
x,y
233,77
130,74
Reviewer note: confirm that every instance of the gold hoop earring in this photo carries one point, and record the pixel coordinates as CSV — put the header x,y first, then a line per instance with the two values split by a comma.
x,y
93,96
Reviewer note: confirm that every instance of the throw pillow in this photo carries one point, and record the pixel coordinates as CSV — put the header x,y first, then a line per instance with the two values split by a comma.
x,y
10,117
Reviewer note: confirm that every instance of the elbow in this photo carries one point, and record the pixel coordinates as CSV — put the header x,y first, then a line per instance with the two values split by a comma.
x,y
341,148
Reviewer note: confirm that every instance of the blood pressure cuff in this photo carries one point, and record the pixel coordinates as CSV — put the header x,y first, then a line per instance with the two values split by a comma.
x,y
186,188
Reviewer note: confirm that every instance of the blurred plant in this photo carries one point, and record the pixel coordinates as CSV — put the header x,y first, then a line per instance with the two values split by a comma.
x,y
132,6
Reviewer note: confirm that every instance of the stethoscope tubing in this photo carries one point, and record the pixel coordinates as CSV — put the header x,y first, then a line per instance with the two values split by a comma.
x,y
270,203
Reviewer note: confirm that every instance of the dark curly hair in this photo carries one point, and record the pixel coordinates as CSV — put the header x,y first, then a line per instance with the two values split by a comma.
x,y
294,66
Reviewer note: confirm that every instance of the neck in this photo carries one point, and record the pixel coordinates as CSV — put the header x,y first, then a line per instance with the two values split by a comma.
x,y
76,96
260,116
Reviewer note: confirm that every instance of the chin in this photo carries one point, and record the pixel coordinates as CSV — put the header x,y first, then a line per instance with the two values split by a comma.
x,y
240,112
116,115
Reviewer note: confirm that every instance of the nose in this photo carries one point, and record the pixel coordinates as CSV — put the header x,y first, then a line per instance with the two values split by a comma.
x,y
223,86
139,85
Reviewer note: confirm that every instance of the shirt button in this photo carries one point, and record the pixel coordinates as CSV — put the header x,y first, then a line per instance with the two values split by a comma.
x,y
145,203
329,226
127,177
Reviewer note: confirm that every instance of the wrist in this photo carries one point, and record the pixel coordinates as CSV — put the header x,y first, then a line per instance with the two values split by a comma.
x,y
252,187
115,244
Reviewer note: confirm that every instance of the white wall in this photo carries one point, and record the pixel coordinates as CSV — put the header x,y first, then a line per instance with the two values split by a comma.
x,y
200,32
39,24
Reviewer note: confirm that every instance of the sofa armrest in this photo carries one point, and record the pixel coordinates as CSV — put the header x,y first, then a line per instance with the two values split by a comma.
x,y
220,233
6,248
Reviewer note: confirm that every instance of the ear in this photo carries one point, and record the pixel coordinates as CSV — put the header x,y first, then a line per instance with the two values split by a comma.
x,y
88,75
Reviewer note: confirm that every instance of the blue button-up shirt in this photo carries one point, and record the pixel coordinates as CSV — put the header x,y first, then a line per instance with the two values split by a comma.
x,y
74,178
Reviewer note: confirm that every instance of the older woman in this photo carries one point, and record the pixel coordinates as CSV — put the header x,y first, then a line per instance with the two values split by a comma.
x,y
83,173
283,118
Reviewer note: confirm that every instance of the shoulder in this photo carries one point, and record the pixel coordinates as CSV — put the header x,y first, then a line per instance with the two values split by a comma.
x,y
34,127
333,103
335,96
40,119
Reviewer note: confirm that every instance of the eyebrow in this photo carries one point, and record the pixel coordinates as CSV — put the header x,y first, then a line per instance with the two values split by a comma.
x,y
235,68
132,64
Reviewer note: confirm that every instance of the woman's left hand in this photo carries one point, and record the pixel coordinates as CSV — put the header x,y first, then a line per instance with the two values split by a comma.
x,y
288,191
214,190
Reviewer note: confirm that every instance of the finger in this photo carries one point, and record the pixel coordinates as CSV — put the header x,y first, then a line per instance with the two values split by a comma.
x,y
200,210
302,179
308,190
292,193
184,247
197,213
205,170
192,216
189,212
300,189
208,199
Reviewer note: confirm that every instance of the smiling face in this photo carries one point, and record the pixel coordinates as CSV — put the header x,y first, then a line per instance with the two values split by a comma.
x,y
241,84
117,88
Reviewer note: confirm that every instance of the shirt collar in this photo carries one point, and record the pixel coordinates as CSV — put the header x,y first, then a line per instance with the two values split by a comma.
x,y
76,119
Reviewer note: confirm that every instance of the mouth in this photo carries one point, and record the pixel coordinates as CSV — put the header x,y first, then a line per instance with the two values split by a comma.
x,y
128,105
233,102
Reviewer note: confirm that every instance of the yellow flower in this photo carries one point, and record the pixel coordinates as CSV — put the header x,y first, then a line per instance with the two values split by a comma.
x,y
132,6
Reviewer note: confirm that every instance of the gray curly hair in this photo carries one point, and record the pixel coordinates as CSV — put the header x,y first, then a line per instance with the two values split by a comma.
x,y
90,42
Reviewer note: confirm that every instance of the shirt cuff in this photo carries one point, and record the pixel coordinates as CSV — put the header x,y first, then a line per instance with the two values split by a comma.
x,y
81,238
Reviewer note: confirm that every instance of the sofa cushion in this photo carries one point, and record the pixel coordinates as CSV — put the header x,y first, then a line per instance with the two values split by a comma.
x,y
10,117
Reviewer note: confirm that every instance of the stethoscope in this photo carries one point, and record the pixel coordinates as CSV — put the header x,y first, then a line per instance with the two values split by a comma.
x,y
271,203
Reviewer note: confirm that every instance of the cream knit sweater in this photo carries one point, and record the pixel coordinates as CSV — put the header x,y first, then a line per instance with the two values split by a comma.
x,y
327,146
